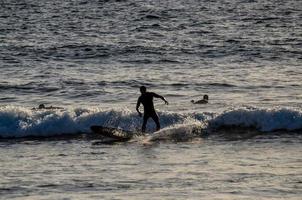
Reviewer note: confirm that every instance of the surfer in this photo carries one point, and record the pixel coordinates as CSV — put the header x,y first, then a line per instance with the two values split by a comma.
x,y
202,101
146,99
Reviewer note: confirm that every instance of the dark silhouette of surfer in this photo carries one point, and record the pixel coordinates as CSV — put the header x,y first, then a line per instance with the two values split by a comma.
x,y
146,99
202,101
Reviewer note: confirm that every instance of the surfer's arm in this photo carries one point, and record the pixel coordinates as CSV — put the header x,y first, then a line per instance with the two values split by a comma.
x,y
161,97
137,107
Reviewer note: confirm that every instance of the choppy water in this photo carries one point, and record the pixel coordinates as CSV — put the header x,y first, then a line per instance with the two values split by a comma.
x,y
90,57
99,52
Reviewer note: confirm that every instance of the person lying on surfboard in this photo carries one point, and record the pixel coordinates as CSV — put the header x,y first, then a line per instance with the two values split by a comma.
x,y
42,106
146,99
202,101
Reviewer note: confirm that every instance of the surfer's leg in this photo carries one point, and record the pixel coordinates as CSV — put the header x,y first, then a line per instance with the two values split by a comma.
x,y
156,120
144,123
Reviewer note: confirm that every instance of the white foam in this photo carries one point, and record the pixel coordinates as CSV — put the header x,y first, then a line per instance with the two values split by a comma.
x,y
186,131
262,119
21,122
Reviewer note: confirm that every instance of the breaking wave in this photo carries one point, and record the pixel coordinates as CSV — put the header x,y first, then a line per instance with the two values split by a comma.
x,y
264,120
18,122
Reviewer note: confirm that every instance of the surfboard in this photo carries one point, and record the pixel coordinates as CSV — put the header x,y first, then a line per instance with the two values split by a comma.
x,y
114,133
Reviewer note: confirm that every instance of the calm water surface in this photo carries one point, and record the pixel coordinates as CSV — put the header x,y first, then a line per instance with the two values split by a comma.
x,y
261,168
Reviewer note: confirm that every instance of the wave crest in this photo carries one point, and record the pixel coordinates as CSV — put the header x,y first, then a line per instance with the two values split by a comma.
x,y
264,120
16,122
22,122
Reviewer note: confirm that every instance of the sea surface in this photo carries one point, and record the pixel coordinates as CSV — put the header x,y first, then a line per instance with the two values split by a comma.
x,y
89,57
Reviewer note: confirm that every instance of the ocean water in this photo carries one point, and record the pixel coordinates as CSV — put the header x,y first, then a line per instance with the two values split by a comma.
x,y
91,57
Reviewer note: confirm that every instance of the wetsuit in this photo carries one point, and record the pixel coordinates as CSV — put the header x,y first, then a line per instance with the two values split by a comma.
x,y
147,100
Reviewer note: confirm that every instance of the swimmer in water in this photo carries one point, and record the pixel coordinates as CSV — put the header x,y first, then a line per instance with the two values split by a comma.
x,y
202,101
42,106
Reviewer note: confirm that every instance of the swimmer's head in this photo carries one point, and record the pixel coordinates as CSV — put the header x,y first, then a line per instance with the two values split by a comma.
x,y
205,97
143,89
41,106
